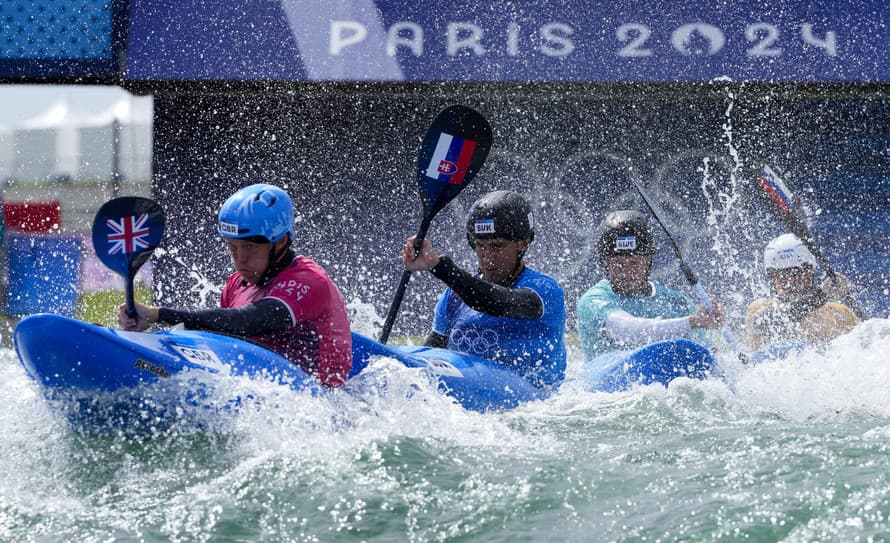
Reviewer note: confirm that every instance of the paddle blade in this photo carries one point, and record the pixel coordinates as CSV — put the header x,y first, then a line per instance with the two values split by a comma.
x,y
453,151
777,191
126,231
780,197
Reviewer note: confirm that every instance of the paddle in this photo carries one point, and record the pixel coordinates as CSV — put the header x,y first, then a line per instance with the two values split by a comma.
x,y
780,198
453,151
691,278
126,231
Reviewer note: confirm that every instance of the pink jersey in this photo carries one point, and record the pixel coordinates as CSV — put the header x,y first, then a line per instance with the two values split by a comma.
x,y
319,341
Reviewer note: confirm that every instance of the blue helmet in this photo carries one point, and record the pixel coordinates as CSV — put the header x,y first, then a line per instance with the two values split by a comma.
x,y
259,210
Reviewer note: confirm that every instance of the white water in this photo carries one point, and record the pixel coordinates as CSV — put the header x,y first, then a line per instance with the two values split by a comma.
x,y
797,450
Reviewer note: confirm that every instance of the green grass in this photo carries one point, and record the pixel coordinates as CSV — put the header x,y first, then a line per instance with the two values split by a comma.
x,y
101,307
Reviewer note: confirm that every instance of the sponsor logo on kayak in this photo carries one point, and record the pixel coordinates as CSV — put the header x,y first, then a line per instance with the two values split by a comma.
x,y
202,357
151,368
442,367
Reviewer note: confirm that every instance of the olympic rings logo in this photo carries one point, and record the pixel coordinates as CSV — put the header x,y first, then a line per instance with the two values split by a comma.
x,y
473,341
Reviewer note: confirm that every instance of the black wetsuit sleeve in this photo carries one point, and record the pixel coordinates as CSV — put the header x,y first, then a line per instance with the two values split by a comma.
x,y
488,298
261,317
435,339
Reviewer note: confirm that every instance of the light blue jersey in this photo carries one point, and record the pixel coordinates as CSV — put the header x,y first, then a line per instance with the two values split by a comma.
x,y
534,348
598,302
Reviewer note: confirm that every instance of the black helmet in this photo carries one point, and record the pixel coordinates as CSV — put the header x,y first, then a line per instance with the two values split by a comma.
x,y
626,232
500,214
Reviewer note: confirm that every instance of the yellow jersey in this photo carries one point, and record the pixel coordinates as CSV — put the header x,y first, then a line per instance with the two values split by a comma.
x,y
765,323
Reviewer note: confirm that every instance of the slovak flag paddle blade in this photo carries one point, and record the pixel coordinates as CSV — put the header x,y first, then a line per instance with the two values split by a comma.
x,y
776,189
453,151
451,159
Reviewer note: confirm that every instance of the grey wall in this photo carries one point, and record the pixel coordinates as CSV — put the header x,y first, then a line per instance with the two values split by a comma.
x,y
347,155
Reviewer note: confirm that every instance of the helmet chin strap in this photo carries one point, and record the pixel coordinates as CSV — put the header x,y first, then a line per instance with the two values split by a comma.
x,y
278,260
517,270
519,267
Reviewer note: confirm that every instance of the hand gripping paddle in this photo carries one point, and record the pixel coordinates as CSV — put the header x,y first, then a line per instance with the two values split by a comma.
x,y
453,151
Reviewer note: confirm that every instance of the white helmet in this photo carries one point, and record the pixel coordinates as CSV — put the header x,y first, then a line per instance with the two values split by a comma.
x,y
787,251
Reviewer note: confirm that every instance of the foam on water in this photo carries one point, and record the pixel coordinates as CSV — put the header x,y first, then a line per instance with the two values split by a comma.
x,y
846,378
792,449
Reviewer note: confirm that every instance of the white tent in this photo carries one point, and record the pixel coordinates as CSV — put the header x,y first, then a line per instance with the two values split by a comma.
x,y
131,119
7,152
46,145
64,141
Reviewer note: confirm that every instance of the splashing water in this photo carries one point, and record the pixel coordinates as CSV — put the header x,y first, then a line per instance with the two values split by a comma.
x,y
794,450
364,318
201,285
726,215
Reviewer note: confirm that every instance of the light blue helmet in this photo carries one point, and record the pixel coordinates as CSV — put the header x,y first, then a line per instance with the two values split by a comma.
x,y
258,210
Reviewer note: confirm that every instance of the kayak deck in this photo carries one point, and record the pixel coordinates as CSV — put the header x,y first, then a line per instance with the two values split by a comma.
x,y
180,367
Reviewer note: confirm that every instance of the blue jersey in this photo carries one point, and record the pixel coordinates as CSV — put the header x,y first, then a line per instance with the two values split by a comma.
x,y
596,304
533,348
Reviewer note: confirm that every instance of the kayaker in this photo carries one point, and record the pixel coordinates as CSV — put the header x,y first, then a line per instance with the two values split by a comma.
x,y
799,309
277,298
627,310
507,312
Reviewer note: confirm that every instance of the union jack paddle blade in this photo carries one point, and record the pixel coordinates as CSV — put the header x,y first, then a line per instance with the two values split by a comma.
x,y
126,231
127,234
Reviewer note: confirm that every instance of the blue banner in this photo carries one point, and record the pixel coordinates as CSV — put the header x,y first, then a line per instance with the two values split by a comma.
x,y
518,41
62,39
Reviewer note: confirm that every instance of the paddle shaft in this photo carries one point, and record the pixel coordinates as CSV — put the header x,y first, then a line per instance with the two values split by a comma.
x,y
691,278
403,284
130,296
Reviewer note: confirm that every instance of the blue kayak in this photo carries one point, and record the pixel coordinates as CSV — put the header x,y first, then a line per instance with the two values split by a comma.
x,y
659,362
176,367
777,350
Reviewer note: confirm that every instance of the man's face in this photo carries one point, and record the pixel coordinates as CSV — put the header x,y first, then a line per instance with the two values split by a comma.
x,y
250,258
498,257
790,283
628,274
